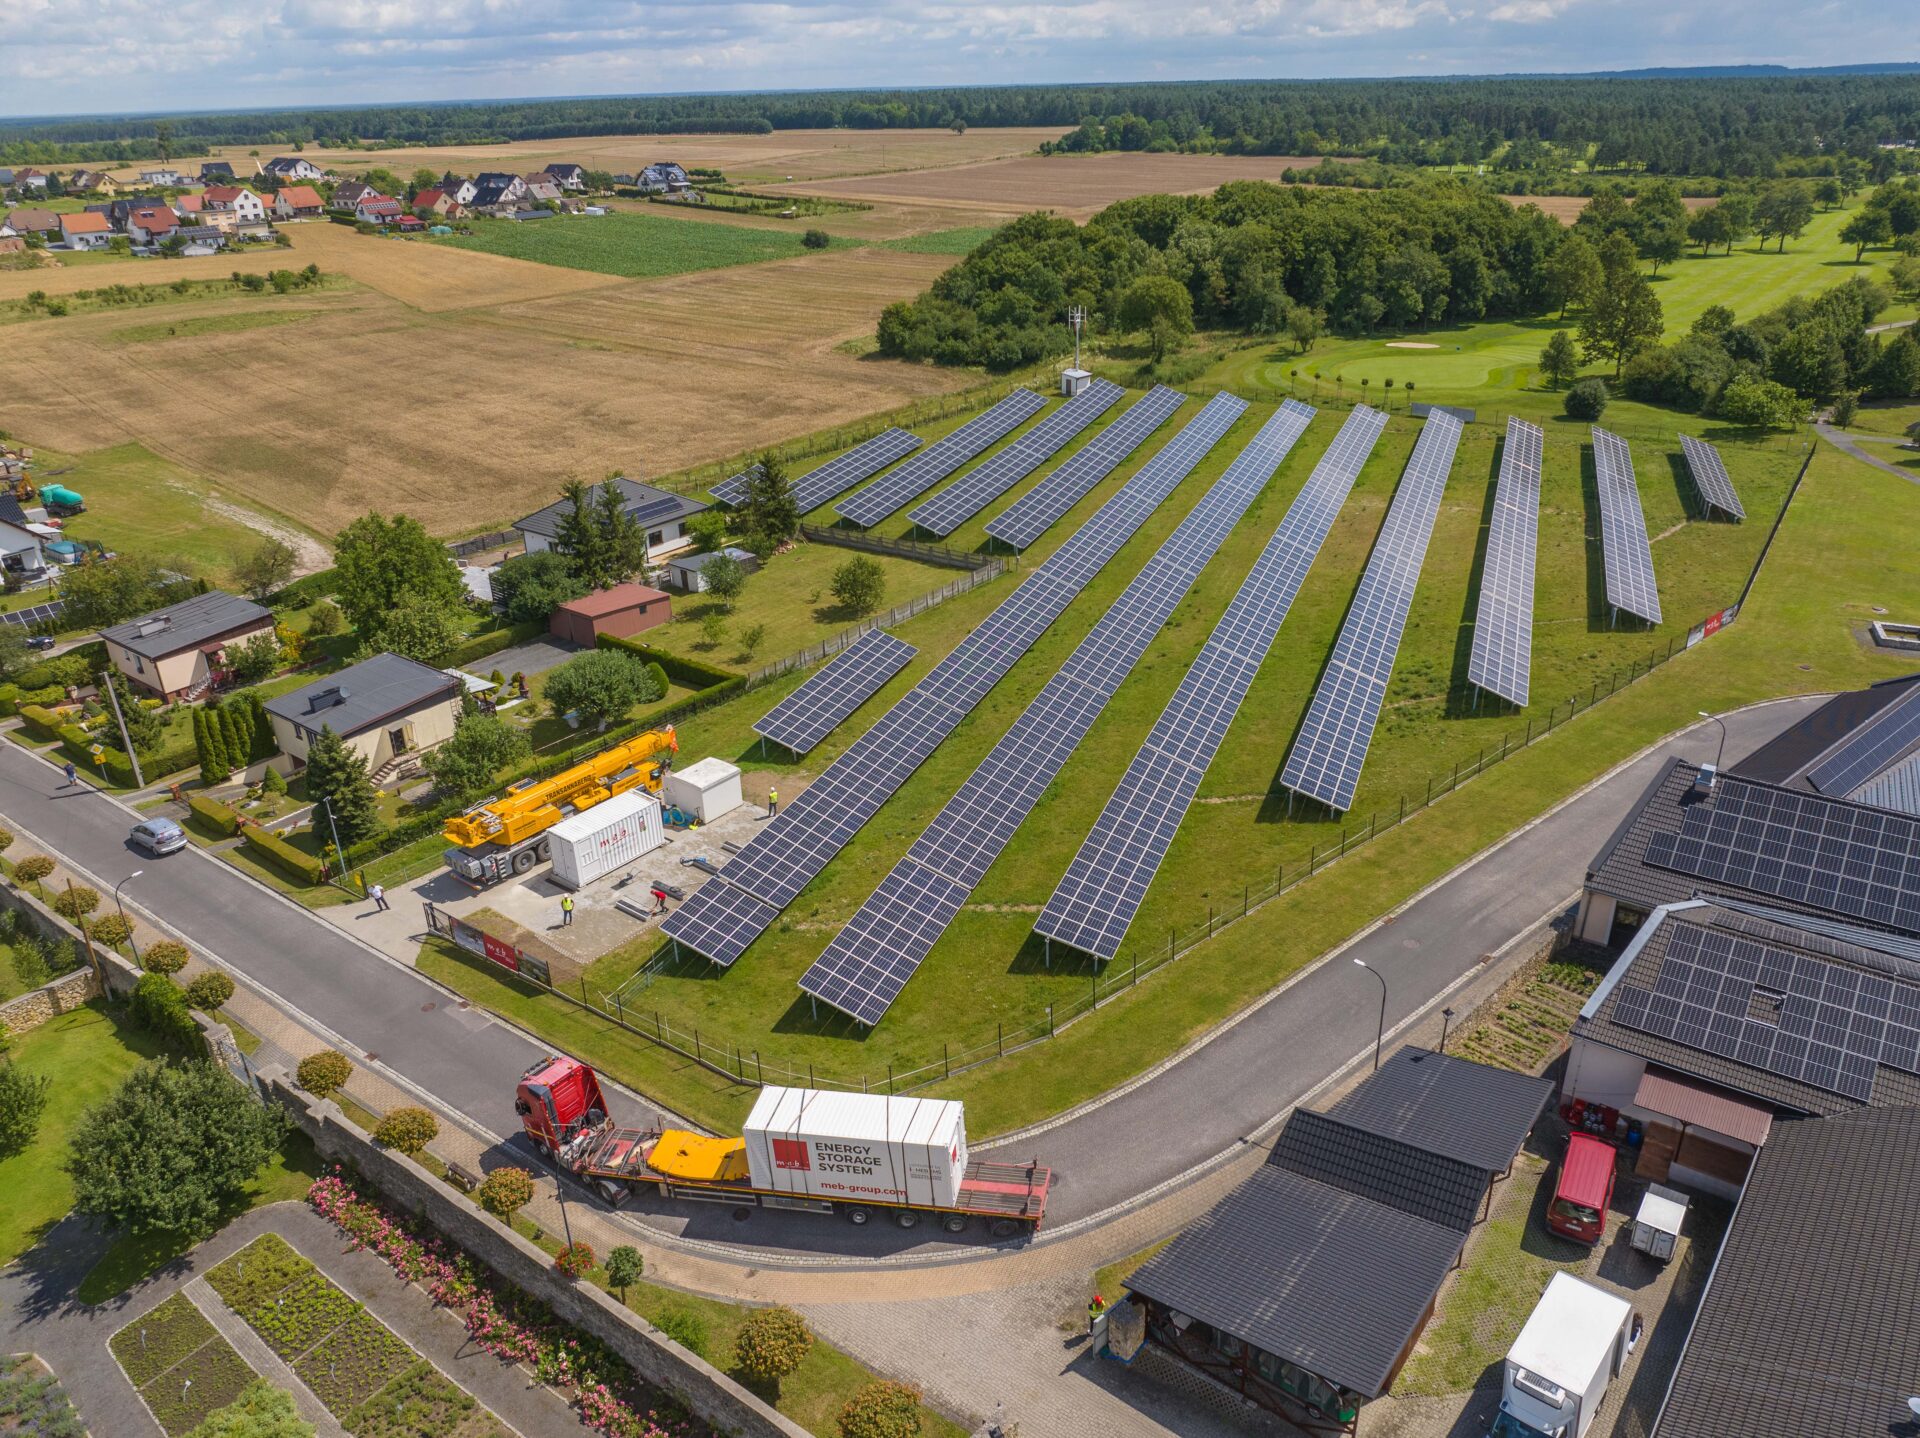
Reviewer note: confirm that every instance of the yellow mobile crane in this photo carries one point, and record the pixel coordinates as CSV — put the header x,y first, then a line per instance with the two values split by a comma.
x,y
506,835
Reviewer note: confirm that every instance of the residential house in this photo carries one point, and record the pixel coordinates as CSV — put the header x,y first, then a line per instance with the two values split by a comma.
x,y
293,167
569,177
1306,1288
163,176
664,177
348,194
19,540
437,204
91,182
6,178
246,207
298,202
377,209
181,651
120,209
541,188
34,222
215,172
151,224
201,239
460,190
85,231
29,178
663,515
190,207
497,192
386,708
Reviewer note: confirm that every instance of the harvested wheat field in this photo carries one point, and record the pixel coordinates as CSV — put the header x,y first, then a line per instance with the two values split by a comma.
x,y
467,418
434,277
1072,184
58,279
1566,208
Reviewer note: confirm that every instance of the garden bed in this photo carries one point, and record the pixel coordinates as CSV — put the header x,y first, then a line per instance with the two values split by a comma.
x,y
182,1368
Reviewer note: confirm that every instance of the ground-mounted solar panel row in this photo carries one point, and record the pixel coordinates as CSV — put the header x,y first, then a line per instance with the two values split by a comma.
x,y
1036,511
946,511
1710,478
1625,551
869,962
817,707
1502,659
34,613
791,849
893,490
1327,758
836,476
1107,881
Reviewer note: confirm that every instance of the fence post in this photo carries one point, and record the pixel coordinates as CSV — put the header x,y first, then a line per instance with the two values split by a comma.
x,y
758,1071
946,1062
1136,969
1000,1038
1209,920
698,1057
1049,1020
1429,791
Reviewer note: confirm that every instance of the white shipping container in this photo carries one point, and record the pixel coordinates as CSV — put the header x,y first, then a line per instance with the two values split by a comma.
x,y
855,1147
705,790
609,836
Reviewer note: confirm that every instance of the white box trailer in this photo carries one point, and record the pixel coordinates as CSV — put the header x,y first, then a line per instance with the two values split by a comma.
x,y
1656,1227
705,790
1558,1369
852,1146
609,836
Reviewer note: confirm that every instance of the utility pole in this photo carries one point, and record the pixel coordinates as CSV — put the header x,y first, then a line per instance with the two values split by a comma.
x,y
1077,317
113,693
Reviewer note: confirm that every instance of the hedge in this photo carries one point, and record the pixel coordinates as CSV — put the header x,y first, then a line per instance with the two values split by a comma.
x,y
690,672
39,722
311,587
292,862
12,696
490,641
212,812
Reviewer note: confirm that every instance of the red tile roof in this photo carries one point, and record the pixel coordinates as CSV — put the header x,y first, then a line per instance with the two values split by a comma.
x,y
154,218
85,224
603,602
301,197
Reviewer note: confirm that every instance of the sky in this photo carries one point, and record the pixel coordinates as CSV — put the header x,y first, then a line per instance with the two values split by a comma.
x,y
130,55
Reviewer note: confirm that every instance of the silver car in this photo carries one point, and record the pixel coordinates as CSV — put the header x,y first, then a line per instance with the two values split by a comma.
x,y
159,836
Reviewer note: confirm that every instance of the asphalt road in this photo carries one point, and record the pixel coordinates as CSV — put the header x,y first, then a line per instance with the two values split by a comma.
x,y
1103,1156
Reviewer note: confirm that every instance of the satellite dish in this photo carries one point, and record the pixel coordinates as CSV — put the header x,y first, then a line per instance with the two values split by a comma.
x,y
1913,1406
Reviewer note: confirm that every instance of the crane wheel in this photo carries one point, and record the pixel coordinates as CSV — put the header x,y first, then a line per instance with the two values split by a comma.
x,y
523,861
544,849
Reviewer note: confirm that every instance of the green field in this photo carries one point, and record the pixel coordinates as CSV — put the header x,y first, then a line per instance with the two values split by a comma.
x,y
630,243
207,325
961,241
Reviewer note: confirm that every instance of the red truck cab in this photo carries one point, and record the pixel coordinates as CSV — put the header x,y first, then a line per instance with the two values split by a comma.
x,y
1579,1207
560,1103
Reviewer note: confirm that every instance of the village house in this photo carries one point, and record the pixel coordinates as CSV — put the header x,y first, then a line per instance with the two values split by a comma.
x,y
377,209
34,222
181,651
151,224
293,167
663,515
298,202
189,207
498,192
29,178
436,204
246,207
200,239
568,176
215,172
385,708
541,188
460,190
348,194
91,182
663,177
19,540
85,231
162,176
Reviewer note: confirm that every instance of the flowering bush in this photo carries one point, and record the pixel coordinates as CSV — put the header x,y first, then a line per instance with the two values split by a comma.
x,y
505,1322
575,1260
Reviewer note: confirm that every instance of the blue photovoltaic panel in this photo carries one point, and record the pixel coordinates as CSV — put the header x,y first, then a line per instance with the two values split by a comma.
x,y
1872,747
1502,660
34,613
812,711
1623,530
791,849
866,966
1332,748
720,921
1036,511
946,511
1710,476
1107,880
836,476
867,507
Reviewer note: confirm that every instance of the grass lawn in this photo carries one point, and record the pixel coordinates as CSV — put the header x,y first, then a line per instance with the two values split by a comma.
x,y
139,503
207,325
1885,418
631,243
962,241
86,1054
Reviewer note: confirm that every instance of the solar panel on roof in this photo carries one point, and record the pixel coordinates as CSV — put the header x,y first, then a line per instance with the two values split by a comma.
x,y
791,849
1107,881
1036,511
817,707
1332,747
870,961
867,507
1872,747
836,476
943,512
1710,476
1623,530
1502,659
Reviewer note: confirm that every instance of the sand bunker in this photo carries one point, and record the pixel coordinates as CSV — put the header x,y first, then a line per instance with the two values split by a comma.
x,y
1410,345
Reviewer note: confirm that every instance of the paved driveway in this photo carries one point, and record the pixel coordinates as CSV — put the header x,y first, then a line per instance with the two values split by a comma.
x,y
536,656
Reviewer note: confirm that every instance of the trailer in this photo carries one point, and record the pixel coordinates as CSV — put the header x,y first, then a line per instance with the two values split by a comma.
x,y
1558,1370
862,1156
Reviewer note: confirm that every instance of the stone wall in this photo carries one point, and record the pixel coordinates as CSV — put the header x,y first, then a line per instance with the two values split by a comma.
x,y
71,989
34,1008
701,1387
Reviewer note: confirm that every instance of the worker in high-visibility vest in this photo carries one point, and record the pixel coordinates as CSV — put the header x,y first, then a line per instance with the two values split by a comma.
x,y
773,802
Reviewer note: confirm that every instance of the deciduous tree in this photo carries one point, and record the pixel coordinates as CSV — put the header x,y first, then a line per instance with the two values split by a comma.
x,y
1867,228
1558,360
724,577
23,1097
265,571
407,1130
601,685
1160,307
624,1268
859,584
1624,315
378,560
482,745
771,1343
1572,273
504,1192
325,1073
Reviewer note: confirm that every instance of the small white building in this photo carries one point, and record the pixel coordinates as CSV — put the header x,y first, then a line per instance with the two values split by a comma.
x,y
687,572
705,790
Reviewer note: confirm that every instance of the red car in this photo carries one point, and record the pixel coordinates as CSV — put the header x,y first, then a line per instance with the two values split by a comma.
x,y
1579,1207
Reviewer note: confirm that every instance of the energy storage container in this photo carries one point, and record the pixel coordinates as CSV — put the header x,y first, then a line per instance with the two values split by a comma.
x,y
854,1147
705,790
606,837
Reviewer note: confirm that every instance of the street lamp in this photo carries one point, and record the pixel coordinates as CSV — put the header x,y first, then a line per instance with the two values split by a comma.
x,y
133,942
340,854
1719,752
1380,1033
1446,1018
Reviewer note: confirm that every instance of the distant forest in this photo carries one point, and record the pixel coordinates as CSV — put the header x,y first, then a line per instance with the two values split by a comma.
x,y
1725,126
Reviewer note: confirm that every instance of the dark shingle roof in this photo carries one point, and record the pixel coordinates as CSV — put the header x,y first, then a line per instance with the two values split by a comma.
x,y
184,625
1807,1329
364,694
1311,1273
1449,1106
647,505
1427,1185
11,513
1789,755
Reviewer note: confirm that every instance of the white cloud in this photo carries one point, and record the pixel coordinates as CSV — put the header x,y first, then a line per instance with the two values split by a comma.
x,y
1529,12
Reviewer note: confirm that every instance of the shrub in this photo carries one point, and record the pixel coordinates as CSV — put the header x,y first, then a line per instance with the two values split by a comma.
x,y
1846,405
707,530
816,239
624,1268
159,1006
22,1098
110,929
1587,400
76,903
882,1409
325,1073
6,840
209,990
408,1130
859,584
504,1192
273,782
164,957
30,964
325,620
684,1327
771,1343
575,1260
220,817
32,869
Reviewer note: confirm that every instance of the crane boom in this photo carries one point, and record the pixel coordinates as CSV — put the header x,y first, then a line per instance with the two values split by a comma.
x,y
535,806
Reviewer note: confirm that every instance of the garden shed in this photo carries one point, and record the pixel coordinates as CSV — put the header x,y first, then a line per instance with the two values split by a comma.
x,y
622,612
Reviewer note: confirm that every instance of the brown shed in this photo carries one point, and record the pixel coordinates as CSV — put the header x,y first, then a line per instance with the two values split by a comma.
x,y
622,611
